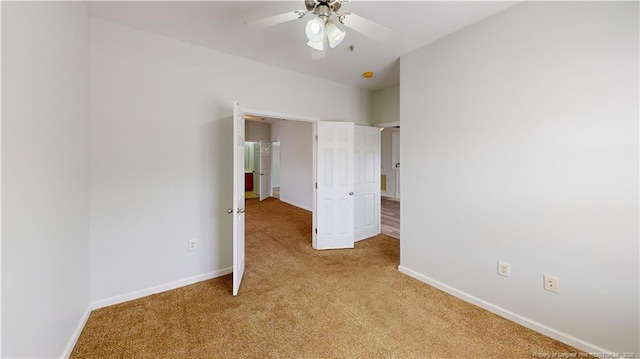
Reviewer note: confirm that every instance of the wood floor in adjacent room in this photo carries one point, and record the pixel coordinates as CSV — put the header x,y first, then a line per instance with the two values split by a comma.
x,y
296,302
390,217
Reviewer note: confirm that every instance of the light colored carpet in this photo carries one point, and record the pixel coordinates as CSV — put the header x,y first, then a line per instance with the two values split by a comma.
x,y
296,302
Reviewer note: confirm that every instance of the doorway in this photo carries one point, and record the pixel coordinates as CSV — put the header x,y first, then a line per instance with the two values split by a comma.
x,y
289,145
390,168
251,168
333,173
294,159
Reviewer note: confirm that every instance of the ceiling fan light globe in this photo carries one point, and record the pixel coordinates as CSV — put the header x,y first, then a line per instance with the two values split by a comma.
x,y
318,45
315,30
334,34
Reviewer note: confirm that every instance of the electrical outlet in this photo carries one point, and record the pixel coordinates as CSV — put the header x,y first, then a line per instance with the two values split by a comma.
x,y
192,245
551,283
504,269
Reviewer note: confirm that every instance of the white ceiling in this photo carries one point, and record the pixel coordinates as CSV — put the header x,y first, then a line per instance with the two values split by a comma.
x,y
220,25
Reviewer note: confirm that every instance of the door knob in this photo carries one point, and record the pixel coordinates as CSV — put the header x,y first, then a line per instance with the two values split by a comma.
x,y
350,193
230,210
240,210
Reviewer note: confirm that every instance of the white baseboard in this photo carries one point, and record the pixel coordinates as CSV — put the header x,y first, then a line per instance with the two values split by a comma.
x,y
76,334
157,289
296,205
135,295
531,324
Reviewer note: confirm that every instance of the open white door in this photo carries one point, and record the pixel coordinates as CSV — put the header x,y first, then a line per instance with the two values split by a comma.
x,y
255,147
366,182
395,160
238,196
265,170
334,180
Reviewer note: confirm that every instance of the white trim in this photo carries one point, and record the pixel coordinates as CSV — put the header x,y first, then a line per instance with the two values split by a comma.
x,y
135,295
76,334
295,204
278,115
290,117
0,185
387,124
529,323
314,189
101,303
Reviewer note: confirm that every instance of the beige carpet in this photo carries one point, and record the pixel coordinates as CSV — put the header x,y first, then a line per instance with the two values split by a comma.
x,y
299,303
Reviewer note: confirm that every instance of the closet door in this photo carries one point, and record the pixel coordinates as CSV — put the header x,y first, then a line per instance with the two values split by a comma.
x,y
335,185
366,182
265,170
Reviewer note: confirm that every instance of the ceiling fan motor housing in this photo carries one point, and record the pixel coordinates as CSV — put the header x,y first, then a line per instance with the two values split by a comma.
x,y
332,5
310,4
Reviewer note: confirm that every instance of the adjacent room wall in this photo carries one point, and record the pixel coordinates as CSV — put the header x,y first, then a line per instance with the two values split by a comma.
x,y
296,162
520,144
45,177
386,105
161,168
256,131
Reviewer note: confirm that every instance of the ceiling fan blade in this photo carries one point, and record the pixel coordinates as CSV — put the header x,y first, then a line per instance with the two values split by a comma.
x,y
365,26
276,19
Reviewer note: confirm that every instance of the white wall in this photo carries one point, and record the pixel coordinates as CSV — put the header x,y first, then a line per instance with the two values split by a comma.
x,y
296,162
520,143
45,176
161,140
386,105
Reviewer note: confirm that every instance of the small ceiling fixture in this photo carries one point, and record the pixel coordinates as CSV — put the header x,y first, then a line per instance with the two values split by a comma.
x,y
367,74
322,29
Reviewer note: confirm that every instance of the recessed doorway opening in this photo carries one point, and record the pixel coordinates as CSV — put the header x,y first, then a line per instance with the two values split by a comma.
x,y
390,181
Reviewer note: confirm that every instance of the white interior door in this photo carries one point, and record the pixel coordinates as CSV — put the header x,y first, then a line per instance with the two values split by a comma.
x,y
265,170
238,196
366,182
334,180
395,160
255,146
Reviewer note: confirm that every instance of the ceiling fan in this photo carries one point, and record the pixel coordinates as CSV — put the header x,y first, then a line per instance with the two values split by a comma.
x,y
322,29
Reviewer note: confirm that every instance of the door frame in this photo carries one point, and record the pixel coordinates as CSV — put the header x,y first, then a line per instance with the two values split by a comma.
x,y
308,119
383,126
386,124
290,117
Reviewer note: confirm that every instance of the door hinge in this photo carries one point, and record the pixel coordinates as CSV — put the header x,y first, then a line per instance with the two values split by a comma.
x,y
316,230
316,137
316,185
